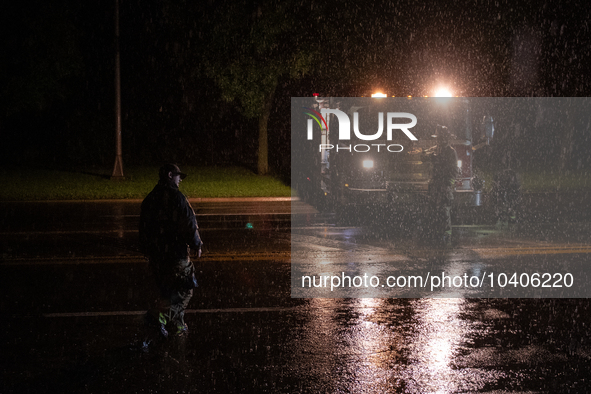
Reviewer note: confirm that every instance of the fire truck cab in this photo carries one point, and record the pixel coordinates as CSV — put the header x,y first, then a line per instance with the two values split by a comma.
x,y
391,170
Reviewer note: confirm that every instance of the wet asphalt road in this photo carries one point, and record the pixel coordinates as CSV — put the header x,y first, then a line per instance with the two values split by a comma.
x,y
74,289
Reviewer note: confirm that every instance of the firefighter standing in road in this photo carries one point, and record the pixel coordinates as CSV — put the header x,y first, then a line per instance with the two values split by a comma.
x,y
442,184
168,230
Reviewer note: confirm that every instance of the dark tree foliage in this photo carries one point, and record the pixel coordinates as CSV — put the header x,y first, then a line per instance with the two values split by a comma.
x,y
207,82
41,56
43,81
249,47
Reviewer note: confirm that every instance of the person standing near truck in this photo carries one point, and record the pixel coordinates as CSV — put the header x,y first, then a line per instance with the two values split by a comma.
x,y
442,184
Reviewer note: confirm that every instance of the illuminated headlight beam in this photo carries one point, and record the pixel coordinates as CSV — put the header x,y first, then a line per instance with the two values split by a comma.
x,y
443,92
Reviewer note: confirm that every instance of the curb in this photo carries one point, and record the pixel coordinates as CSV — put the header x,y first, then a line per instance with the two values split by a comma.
x,y
138,200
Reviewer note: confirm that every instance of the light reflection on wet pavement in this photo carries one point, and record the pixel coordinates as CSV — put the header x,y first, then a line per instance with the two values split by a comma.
x,y
72,321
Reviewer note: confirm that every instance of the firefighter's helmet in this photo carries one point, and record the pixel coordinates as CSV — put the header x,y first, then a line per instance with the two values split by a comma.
x,y
442,132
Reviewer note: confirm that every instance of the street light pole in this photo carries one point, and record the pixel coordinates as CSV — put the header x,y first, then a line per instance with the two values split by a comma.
x,y
118,167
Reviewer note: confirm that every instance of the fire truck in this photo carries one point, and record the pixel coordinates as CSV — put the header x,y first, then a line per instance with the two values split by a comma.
x,y
387,171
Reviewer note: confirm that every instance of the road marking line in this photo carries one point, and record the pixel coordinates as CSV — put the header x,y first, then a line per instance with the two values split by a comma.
x,y
76,232
227,213
534,250
253,256
285,256
188,311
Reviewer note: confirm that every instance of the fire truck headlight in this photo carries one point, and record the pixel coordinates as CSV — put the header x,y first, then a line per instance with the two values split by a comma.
x,y
367,163
443,92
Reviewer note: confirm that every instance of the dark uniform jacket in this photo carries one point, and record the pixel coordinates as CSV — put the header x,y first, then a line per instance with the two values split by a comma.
x,y
168,227
445,172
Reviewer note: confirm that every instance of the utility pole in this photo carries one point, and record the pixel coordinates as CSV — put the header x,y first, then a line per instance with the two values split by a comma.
x,y
118,167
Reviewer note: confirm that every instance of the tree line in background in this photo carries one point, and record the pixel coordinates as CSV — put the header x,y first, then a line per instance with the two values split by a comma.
x,y
209,82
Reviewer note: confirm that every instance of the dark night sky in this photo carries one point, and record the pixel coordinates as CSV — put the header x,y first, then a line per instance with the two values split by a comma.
x,y
57,89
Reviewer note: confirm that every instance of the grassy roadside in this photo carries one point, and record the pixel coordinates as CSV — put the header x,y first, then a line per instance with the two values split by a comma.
x,y
548,181
553,182
47,184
